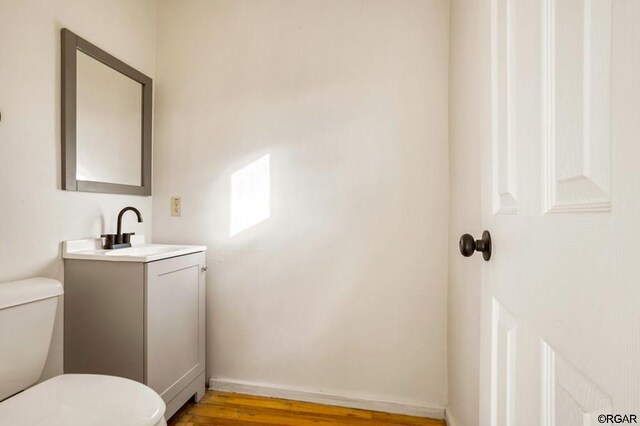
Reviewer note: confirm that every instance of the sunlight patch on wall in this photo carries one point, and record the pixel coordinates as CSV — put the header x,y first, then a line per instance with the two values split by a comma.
x,y
250,195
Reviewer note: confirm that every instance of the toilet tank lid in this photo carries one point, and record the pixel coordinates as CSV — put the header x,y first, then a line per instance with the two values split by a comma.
x,y
26,291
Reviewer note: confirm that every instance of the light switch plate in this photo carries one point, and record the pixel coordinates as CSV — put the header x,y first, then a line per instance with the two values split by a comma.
x,y
176,206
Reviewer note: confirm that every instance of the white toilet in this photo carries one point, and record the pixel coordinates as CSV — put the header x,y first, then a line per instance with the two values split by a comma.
x,y
27,313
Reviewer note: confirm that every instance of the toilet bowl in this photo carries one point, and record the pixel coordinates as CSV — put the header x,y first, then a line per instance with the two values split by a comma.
x,y
84,400
27,314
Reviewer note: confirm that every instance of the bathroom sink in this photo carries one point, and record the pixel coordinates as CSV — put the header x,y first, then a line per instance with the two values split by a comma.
x,y
144,250
91,249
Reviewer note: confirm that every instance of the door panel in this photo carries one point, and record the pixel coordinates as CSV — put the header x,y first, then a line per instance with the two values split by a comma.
x,y
567,396
503,366
174,318
576,103
504,160
561,197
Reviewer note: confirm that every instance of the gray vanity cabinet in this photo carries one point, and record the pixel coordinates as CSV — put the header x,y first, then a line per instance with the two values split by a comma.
x,y
143,321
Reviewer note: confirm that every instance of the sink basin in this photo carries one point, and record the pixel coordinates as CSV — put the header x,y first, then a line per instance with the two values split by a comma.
x,y
145,250
91,249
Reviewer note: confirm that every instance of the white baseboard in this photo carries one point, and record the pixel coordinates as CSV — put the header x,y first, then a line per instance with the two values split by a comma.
x,y
434,412
449,418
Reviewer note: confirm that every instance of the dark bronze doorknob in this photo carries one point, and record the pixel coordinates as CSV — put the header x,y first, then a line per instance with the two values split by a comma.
x,y
468,245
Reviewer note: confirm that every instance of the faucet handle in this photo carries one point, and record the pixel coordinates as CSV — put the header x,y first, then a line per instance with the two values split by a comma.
x,y
126,237
109,240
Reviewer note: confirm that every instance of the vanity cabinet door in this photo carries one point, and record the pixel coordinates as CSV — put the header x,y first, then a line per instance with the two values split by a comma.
x,y
175,323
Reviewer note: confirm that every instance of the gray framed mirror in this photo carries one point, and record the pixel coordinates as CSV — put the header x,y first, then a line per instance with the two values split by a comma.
x,y
106,121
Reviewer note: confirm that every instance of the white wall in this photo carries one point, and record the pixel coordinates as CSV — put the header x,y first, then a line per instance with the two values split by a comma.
x,y
343,289
36,215
468,66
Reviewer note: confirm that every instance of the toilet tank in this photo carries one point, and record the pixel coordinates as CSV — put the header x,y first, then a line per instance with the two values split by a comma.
x,y
27,315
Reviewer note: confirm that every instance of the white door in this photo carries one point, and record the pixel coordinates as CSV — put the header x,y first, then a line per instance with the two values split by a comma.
x,y
560,340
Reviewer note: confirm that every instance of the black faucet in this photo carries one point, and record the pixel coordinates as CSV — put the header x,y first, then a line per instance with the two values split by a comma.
x,y
120,240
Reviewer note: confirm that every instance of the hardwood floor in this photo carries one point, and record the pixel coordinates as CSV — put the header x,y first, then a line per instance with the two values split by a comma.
x,y
224,409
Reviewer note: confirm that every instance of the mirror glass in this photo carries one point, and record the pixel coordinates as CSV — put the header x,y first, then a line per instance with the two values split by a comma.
x,y
108,124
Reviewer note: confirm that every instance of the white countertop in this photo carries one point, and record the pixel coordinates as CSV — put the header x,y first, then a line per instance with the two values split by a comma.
x,y
91,249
